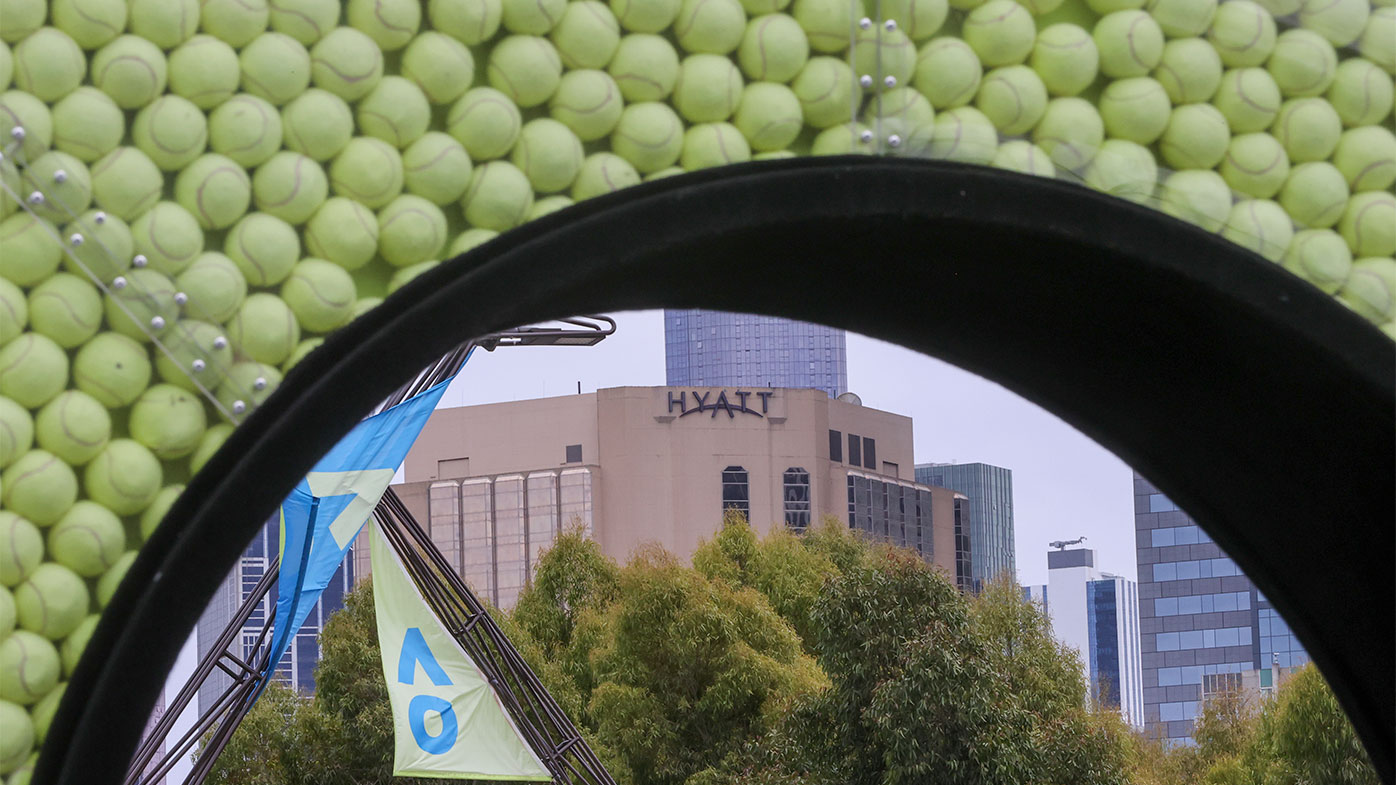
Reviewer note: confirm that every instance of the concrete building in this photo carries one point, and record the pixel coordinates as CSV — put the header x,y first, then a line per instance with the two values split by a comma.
x,y
1097,614
496,483
1199,616
716,349
990,493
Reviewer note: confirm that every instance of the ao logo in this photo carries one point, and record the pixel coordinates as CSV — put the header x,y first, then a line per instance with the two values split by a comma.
x,y
414,651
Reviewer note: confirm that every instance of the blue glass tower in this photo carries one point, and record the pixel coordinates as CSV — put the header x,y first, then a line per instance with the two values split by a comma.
x,y
990,492
715,349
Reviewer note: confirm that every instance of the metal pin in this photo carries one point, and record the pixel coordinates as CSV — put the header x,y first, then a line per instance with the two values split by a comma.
x,y
76,239
239,407
36,198
865,23
198,365
894,141
17,133
100,218
259,384
118,283
60,176
865,80
181,298
865,136
157,322
890,81
220,342
139,261
891,25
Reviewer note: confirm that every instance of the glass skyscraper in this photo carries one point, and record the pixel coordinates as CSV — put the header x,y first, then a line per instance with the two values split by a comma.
x,y
717,349
990,493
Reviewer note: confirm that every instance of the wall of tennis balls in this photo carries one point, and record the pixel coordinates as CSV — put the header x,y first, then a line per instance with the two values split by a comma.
x,y
193,194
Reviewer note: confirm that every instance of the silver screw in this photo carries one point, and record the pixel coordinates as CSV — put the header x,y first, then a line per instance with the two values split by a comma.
x,y
118,283
890,81
181,298
198,365
100,218
157,322
259,384
891,25
865,80
239,407
36,198
17,133
76,239
220,342
139,261
894,141
865,23
60,176
865,137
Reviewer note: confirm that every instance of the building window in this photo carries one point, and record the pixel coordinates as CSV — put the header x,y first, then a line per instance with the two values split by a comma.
x,y
797,498
835,446
736,495
870,453
444,521
855,450
574,453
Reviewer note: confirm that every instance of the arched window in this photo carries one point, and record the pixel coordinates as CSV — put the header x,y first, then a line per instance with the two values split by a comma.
x,y
797,498
736,494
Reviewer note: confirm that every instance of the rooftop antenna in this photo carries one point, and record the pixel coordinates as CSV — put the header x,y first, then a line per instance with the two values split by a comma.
x,y
1061,544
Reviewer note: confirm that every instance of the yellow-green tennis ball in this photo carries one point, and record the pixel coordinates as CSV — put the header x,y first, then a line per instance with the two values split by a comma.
x,y
65,182
410,230
531,17
368,170
603,173
1339,21
947,72
397,111
884,54
825,87
1130,43
1260,225
1315,194
237,22
165,23
1198,196
48,64
215,190
141,302
28,251
713,144
545,206
390,23
769,116
8,618
1309,129
846,139
16,433
1368,292
290,186
18,741
21,548
1183,18
19,109
436,167
710,26
587,35
347,63
708,88
1001,32
1303,63
646,68
131,70
485,122
588,102
1255,165
1189,70
773,48
1064,56
902,111
965,134
317,124
76,642
440,65
263,247
827,23
264,329
205,71
22,17
39,486
169,421
1196,137
1320,257
112,368
306,21
548,153
44,711
155,513
1243,33
1279,8
1071,130
53,601
111,579
213,439
1249,98
468,239
65,308
650,136
1135,109
469,21
645,16
1378,40
14,311
275,68
29,668
171,131
526,68
87,124
214,288
106,250
344,232
405,275
921,19
169,237
126,183
88,539
1368,224
499,196
1367,158
33,369
1361,93
187,343
91,23
248,382
1013,98
322,294
1104,7
246,129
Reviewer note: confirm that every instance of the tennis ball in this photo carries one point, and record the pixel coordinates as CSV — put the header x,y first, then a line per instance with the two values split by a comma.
x,y
709,88
1197,196
7,65
321,294
468,239
317,124
773,48
1249,98
165,23
249,382
548,153
1361,93
825,87
238,22
16,431
131,70
603,173
903,109
499,196
390,23
214,286
710,26
112,368
263,247
88,539
1368,224
1308,128
213,439
1315,194
187,343
141,302
28,251
1243,34
396,111
309,345
1303,63
168,236
66,184
205,71
1339,21
1104,7
106,249
587,35
526,68
368,170
1256,165
347,63
22,17
21,548
87,124
1189,70
469,21
411,230
246,129
53,601
1013,98
264,329
587,102
1064,56
827,23
1183,18
846,139
29,669
545,206
1320,257
363,306
921,19
14,311
344,232
1135,109
290,186
1260,225
1367,158
126,183
16,743
1196,137
19,109
530,17
8,615
1001,32
485,122
1130,43
436,167
44,711
76,642
1370,289
947,72
65,308
111,579
306,21
1378,41
275,68
1071,130
884,54
965,134
1025,157
48,64
403,276
215,190
169,421
155,513
33,369
645,16
645,67
769,117
439,65
171,131
713,144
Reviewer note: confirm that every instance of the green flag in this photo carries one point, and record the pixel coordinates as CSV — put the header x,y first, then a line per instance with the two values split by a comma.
x,y
447,721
